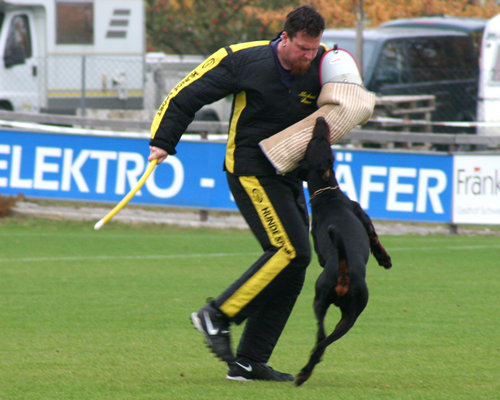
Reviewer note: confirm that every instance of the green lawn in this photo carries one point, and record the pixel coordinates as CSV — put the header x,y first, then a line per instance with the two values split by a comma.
x,y
104,314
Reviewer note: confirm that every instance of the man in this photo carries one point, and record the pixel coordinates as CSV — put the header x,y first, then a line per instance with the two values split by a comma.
x,y
275,84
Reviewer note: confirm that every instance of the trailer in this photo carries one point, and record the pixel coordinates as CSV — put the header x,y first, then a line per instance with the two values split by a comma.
x,y
59,55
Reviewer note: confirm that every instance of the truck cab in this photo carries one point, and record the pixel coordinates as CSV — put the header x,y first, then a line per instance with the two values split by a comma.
x,y
58,56
19,49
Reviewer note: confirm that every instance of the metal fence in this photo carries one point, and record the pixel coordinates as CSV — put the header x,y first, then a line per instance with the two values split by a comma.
x,y
66,83
63,83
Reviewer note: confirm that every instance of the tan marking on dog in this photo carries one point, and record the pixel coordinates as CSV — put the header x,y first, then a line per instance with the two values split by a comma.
x,y
343,280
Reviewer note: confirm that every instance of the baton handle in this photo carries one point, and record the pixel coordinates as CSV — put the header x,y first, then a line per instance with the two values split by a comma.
x,y
126,199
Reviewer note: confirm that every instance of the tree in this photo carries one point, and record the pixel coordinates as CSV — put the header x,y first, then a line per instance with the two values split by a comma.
x,y
195,27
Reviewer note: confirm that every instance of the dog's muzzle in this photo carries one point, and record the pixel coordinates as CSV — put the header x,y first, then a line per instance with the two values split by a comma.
x,y
343,102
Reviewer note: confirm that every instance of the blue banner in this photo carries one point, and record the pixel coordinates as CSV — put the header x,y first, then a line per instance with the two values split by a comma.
x,y
388,185
398,186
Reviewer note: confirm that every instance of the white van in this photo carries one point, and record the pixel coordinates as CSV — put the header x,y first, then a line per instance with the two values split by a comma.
x,y
59,55
488,109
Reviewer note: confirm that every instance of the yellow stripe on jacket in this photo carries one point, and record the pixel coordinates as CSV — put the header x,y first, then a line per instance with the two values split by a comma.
x,y
210,63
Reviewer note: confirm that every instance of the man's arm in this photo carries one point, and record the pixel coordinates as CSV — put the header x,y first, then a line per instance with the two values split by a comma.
x,y
210,81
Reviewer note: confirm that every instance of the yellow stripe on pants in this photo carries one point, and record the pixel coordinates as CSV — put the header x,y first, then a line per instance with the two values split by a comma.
x,y
278,238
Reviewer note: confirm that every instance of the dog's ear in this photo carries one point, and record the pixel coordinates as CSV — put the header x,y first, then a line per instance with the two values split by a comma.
x,y
321,129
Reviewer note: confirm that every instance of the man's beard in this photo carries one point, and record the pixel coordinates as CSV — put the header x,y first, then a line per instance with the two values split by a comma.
x,y
300,68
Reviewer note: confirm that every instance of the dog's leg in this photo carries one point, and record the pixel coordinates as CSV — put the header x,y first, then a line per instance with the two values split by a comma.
x,y
306,372
335,273
383,258
323,298
320,308
319,349
350,313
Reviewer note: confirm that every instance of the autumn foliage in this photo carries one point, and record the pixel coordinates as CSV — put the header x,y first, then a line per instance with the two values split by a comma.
x,y
201,27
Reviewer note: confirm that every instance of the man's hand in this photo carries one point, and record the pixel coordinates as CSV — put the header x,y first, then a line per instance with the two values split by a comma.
x,y
156,153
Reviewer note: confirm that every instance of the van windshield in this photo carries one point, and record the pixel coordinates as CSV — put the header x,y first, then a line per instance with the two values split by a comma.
x,y
448,58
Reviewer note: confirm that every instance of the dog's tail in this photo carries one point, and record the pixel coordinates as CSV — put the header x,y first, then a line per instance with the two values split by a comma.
x,y
343,279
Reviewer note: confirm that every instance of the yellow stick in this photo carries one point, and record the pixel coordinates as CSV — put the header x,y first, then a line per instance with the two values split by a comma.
x,y
127,198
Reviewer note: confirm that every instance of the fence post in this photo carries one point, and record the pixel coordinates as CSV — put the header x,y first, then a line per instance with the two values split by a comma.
x,y
84,84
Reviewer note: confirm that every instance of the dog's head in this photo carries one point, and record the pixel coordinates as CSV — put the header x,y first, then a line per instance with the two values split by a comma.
x,y
319,156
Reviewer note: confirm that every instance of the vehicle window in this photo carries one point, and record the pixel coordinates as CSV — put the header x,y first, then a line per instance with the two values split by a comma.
x,y
1,20
75,22
496,68
19,38
444,59
391,67
349,44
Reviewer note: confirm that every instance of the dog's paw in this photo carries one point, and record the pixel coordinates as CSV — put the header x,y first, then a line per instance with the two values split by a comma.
x,y
385,261
383,258
301,378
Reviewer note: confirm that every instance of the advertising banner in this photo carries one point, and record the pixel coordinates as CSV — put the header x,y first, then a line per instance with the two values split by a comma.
x,y
388,185
476,193
103,168
398,186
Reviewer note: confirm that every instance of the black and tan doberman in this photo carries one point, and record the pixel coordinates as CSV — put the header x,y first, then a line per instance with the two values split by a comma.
x,y
343,236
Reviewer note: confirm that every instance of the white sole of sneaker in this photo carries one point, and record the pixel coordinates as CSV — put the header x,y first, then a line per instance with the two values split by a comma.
x,y
238,378
197,322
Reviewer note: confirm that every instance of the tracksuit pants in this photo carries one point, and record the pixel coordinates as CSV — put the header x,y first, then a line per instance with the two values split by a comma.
x,y
264,295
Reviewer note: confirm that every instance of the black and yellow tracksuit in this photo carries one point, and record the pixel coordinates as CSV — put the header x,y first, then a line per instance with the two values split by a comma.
x,y
273,205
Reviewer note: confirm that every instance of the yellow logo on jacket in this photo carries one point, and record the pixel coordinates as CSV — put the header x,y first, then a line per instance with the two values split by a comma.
x,y
306,98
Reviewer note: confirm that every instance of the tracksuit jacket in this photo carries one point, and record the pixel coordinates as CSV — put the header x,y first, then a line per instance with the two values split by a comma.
x,y
262,104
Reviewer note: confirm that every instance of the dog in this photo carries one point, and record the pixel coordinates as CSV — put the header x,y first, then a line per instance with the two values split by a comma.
x,y
343,236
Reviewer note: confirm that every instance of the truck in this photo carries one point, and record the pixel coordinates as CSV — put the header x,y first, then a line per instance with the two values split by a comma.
x,y
473,27
418,61
58,56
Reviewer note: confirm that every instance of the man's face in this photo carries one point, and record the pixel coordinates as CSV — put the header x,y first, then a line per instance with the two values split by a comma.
x,y
300,51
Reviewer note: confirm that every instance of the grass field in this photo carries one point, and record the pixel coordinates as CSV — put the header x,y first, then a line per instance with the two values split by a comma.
x,y
105,315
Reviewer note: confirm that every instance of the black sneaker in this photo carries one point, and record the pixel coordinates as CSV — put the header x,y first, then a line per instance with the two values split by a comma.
x,y
243,369
215,326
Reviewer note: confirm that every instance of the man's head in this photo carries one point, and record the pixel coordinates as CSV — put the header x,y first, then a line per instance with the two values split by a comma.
x,y
301,38
304,18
